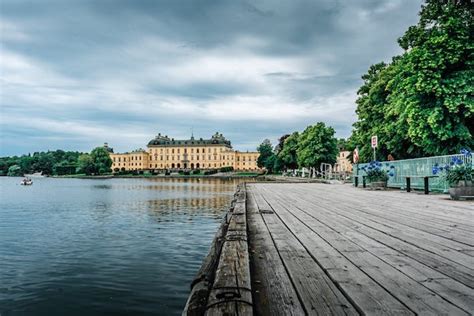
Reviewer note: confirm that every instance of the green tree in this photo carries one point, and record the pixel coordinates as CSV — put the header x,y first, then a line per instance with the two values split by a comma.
x,y
288,153
317,145
85,164
434,89
101,159
266,158
14,171
422,103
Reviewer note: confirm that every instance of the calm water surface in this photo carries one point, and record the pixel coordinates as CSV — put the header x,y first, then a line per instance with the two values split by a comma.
x,y
105,247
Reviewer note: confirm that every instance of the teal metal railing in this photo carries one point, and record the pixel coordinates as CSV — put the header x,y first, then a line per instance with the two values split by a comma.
x,y
417,168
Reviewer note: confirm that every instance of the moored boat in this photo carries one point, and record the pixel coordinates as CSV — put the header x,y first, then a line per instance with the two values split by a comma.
x,y
26,181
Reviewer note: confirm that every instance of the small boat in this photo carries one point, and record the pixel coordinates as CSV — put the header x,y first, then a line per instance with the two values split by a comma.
x,y
26,181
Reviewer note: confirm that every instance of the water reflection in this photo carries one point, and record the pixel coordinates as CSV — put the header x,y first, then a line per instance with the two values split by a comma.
x,y
114,246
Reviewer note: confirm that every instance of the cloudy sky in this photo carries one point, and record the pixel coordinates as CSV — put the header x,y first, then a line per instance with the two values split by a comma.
x,y
75,74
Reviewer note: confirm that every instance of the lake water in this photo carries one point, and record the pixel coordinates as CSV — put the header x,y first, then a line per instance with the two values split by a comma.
x,y
105,247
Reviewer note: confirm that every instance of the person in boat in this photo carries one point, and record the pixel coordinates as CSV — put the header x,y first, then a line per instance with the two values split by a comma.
x,y
26,181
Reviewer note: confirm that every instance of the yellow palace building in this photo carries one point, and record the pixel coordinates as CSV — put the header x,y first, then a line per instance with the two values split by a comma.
x,y
168,153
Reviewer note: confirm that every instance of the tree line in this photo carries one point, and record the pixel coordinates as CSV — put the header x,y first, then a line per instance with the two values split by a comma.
x,y
315,145
58,163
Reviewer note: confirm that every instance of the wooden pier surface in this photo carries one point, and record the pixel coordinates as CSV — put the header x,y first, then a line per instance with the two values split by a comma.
x,y
317,249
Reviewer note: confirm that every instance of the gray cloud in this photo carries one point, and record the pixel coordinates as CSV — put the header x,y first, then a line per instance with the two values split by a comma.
x,y
77,73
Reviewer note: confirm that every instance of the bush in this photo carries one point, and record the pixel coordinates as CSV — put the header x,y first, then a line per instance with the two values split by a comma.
x,y
181,172
197,171
14,171
457,170
376,172
209,172
226,169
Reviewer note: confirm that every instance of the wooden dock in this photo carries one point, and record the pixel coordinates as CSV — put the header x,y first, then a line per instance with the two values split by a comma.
x,y
317,249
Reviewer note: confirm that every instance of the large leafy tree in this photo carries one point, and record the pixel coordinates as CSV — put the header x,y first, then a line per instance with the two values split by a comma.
x,y
422,103
101,159
14,171
85,164
288,153
317,145
266,159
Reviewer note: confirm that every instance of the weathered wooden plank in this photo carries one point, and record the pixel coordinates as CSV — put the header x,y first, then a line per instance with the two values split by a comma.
x,y
437,260
231,290
368,297
418,298
451,290
371,212
421,207
274,293
200,288
319,294
314,246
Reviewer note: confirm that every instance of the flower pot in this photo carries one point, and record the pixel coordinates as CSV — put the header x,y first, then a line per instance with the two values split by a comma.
x,y
378,185
463,190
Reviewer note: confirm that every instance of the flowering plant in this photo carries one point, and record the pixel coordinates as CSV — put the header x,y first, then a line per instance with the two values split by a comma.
x,y
376,171
457,170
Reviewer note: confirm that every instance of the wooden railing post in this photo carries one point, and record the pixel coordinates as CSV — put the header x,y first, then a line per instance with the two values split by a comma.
x,y
408,184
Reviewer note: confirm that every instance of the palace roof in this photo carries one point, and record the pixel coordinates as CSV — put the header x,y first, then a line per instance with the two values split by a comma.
x,y
165,141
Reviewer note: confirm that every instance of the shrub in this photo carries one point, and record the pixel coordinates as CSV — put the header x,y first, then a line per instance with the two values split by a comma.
x,y
226,169
209,172
376,172
457,170
197,171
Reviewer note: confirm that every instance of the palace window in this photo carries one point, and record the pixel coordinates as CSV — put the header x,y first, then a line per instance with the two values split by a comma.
x,y
172,151
197,151
192,150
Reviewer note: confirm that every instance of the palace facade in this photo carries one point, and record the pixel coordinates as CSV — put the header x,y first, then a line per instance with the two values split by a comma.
x,y
164,153
343,163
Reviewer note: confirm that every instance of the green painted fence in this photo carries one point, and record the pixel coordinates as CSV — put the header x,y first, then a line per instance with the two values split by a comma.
x,y
418,167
